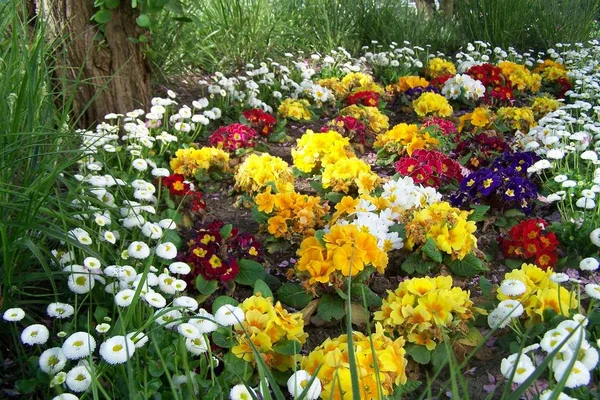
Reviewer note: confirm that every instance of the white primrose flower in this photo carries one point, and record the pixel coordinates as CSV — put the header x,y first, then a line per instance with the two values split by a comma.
x,y
589,264
166,250
188,330
139,250
196,345
241,392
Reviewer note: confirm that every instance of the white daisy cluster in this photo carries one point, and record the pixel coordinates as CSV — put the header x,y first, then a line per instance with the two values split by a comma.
x,y
463,87
405,58
574,361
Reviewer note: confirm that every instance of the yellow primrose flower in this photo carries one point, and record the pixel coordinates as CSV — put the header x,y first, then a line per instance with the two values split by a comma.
x,y
257,172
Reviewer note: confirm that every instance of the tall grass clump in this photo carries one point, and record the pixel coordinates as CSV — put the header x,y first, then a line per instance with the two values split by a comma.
x,y
34,151
527,25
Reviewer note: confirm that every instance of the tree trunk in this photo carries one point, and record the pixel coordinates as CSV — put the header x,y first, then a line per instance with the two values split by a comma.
x,y
426,7
110,75
447,7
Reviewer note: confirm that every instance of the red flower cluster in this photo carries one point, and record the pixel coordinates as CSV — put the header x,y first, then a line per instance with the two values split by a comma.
x,y
233,137
366,98
179,187
176,184
481,149
564,86
347,126
261,121
215,257
444,126
429,168
440,80
528,240
498,86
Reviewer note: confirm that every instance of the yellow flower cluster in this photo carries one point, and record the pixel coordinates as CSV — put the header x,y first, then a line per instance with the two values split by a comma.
x,y
380,361
517,118
432,104
543,105
349,175
480,117
405,138
446,225
292,213
551,70
340,91
265,326
374,119
346,249
520,77
259,171
315,150
295,109
439,67
407,82
188,161
540,293
421,310
353,80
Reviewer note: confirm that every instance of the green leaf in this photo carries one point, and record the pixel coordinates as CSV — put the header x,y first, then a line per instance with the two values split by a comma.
x,y
513,264
155,368
293,295
407,388
221,301
431,250
143,21
478,212
101,17
273,282
316,185
419,353
250,271
276,137
174,6
486,286
416,263
236,368
288,347
225,231
206,287
331,307
171,235
99,313
111,4
439,357
468,266
26,386
258,216
401,229
319,236
513,213
223,338
261,287
334,197
362,293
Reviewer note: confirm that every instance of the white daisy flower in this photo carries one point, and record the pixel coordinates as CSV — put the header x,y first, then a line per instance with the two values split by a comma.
x,y
79,379
240,392
179,285
187,302
152,231
514,308
169,319
167,250
80,283
205,321
35,334
13,314
589,264
109,237
102,328
167,223
299,381
188,330
595,237
139,250
117,350
593,290
552,339
58,379
138,338
65,396
179,268
499,318
549,394
559,277
155,299
512,287
124,297
229,315
79,345
196,345
578,375
509,363
60,310
139,164
160,172
52,360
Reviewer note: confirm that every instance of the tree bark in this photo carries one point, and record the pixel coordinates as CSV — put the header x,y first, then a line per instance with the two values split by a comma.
x,y
110,75
427,7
